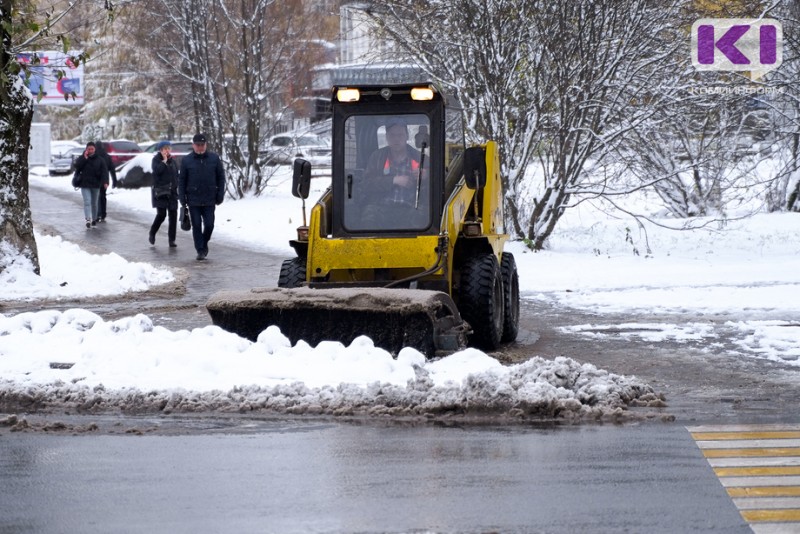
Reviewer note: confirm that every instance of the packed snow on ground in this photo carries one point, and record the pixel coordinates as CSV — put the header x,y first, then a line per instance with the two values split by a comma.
x,y
132,366
742,268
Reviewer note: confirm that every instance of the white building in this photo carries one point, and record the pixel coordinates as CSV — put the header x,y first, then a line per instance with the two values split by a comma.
x,y
364,57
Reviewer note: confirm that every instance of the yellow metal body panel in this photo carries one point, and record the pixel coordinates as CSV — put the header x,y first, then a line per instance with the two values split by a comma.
x,y
492,213
326,255
355,258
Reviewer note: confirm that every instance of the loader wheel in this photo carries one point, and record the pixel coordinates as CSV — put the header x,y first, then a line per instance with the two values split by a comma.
x,y
293,273
481,300
508,268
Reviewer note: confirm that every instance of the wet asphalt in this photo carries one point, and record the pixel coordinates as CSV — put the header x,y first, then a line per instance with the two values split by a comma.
x,y
125,233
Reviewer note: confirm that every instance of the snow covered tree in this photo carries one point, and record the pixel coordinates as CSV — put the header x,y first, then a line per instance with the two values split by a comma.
x,y
702,149
782,98
556,83
696,149
16,111
239,60
22,28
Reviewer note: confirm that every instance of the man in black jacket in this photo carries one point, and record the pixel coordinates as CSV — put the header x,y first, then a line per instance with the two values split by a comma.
x,y
92,173
201,187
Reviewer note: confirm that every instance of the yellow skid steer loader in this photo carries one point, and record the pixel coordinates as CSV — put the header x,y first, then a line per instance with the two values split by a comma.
x,y
405,246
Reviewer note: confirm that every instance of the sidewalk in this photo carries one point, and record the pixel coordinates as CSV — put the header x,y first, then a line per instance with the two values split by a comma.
x,y
125,233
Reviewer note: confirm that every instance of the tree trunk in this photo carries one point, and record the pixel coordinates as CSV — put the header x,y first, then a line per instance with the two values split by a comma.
x,y
16,112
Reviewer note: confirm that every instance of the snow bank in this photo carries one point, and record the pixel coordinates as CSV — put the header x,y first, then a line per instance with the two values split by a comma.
x,y
131,366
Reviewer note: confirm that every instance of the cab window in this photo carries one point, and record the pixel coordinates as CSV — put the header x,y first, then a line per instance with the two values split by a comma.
x,y
387,172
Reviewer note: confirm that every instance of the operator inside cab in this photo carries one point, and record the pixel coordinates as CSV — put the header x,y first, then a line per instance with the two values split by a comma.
x,y
396,185
392,171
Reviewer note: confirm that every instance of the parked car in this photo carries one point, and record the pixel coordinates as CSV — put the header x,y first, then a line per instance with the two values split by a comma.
x,y
121,150
138,171
178,147
284,148
59,148
64,163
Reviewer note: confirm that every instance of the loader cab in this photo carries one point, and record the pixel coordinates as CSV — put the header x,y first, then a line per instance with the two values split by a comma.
x,y
388,162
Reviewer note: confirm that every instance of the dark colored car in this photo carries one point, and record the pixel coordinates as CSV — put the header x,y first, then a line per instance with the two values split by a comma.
x,y
137,172
121,151
178,147
64,163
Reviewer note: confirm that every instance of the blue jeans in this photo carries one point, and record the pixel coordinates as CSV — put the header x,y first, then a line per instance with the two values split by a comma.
x,y
90,197
202,232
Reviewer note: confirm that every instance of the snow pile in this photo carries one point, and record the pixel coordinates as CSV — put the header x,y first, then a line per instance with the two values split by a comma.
x,y
68,272
75,361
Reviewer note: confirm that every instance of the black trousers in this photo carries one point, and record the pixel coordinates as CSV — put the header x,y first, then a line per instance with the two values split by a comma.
x,y
172,224
101,204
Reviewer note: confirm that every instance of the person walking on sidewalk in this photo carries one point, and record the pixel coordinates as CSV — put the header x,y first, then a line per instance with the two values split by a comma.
x,y
100,150
92,174
201,187
164,193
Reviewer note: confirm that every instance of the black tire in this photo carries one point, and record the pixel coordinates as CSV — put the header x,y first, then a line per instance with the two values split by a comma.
x,y
480,300
293,273
508,269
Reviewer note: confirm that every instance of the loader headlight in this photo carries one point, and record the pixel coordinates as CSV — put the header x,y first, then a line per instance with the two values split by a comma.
x,y
348,95
421,93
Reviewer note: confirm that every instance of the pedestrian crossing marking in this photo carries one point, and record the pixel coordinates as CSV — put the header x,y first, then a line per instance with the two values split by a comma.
x,y
765,491
736,453
710,436
767,502
752,462
759,467
751,516
733,482
749,444
755,471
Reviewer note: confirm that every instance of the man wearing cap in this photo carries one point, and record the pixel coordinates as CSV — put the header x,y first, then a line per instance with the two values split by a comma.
x,y
201,187
164,193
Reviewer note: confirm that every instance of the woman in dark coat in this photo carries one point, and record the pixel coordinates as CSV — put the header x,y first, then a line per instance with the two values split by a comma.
x,y
91,174
164,194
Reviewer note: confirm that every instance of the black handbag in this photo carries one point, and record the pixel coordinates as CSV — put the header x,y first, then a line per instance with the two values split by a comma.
x,y
186,222
162,191
76,180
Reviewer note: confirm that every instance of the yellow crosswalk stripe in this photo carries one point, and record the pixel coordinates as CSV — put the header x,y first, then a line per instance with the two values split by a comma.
x,y
770,515
759,468
709,436
765,491
763,451
756,471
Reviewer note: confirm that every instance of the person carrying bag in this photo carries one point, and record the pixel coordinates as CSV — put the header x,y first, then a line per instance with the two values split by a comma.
x,y
91,174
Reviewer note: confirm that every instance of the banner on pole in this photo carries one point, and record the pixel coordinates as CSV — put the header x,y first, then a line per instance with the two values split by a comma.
x,y
55,76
